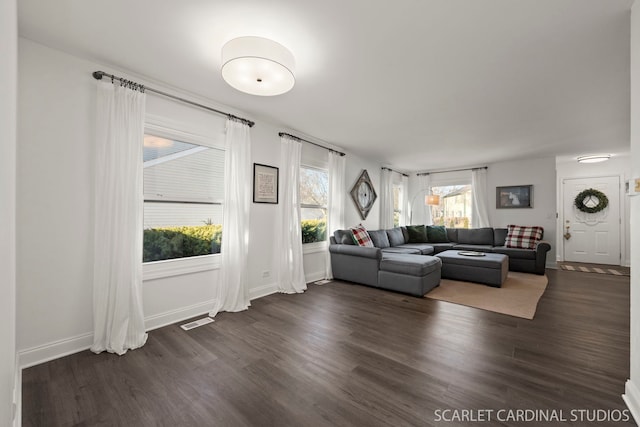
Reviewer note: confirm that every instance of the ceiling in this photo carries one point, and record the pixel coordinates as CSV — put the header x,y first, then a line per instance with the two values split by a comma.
x,y
414,84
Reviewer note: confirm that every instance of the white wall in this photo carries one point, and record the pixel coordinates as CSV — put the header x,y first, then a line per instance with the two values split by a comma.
x,y
632,389
8,85
619,165
55,162
541,173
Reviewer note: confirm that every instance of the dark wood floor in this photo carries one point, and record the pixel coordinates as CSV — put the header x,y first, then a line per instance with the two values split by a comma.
x,y
348,355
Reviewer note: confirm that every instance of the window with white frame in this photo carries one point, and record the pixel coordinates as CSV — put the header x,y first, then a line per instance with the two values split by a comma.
x,y
183,195
454,210
314,193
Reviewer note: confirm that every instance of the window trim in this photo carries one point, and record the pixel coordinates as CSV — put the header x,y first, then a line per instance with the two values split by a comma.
x,y
317,248
153,270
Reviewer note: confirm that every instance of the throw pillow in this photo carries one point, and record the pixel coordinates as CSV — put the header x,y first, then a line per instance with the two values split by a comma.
x,y
417,234
396,238
437,234
379,238
523,237
361,236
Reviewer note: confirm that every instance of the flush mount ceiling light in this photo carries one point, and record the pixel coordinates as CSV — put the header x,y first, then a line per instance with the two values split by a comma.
x,y
594,159
258,66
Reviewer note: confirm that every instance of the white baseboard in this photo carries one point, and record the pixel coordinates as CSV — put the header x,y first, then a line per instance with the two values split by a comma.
x,y
57,349
314,277
178,315
631,397
54,350
263,291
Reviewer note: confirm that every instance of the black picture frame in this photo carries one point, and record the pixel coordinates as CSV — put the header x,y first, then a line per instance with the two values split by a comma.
x,y
514,197
265,184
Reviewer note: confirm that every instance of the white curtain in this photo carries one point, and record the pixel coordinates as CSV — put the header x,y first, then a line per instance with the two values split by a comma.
x,y
479,198
118,319
289,232
420,212
335,205
386,199
233,289
404,202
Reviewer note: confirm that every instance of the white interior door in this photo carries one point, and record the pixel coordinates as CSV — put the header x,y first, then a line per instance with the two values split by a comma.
x,y
595,237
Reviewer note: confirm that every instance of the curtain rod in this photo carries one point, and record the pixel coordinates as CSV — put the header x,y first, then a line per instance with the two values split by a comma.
x,y
99,74
453,170
281,134
389,169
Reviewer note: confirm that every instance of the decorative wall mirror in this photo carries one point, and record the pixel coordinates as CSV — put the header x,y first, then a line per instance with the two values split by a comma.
x,y
363,194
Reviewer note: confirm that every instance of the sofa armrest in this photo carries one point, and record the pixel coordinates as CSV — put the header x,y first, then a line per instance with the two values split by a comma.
x,y
541,248
361,251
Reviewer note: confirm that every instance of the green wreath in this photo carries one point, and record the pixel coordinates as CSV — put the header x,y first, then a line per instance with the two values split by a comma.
x,y
589,195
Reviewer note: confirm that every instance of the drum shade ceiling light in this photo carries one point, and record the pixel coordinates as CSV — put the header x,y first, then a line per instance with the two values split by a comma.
x,y
258,66
594,159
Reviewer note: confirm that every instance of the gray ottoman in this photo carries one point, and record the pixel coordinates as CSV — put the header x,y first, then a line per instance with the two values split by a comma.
x,y
490,269
410,274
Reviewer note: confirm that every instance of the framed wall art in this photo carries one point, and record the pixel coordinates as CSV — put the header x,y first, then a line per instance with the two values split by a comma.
x,y
265,184
514,197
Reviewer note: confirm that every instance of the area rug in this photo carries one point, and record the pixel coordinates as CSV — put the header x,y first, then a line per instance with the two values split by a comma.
x,y
595,268
518,296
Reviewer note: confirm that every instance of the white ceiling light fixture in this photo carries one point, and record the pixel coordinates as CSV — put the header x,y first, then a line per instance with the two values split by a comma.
x,y
258,66
594,159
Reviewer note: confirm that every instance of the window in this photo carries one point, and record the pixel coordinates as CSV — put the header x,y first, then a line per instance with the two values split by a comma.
x,y
454,209
397,204
183,195
314,192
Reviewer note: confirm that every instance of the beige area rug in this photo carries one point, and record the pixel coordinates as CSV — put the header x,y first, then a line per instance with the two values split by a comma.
x,y
518,296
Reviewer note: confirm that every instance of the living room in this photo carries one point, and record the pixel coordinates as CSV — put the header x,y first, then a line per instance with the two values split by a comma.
x,y
52,268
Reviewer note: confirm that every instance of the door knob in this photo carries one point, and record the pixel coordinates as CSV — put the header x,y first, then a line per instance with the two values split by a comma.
x,y
567,235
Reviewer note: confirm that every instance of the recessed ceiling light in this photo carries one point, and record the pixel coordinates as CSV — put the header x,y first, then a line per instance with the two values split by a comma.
x,y
258,66
594,159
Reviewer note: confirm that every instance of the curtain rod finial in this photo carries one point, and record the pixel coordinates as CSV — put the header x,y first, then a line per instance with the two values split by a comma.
x,y
97,75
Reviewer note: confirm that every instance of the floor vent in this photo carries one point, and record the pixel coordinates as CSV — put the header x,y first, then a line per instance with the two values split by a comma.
x,y
195,324
321,282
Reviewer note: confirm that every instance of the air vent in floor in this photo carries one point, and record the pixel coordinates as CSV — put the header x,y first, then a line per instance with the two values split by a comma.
x,y
196,323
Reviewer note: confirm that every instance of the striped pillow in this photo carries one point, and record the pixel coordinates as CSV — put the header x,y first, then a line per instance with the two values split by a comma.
x,y
361,236
523,237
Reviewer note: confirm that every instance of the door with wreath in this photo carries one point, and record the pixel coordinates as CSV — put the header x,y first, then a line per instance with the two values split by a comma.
x,y
592,220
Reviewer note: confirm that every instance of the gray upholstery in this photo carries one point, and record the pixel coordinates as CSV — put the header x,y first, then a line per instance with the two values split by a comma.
x,y
401,250
477,248
475,236
414,275
357,264
379,238
396,238
491,269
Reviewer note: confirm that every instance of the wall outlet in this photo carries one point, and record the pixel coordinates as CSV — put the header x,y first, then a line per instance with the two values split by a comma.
x,y
266,274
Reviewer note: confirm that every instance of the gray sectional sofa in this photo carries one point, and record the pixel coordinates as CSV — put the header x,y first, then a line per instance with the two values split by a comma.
x,y
363,264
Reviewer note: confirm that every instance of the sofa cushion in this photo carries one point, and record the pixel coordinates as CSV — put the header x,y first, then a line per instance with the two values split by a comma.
x,y
343,237
515,253
405,234
437,234
379,238
476,236
361,236
401,250
476,248
441,247
417,234
499,236
523,237
452,234
395,236
423,248
410,265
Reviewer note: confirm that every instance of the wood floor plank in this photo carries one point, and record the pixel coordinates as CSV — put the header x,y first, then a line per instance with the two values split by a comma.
x,y
348,355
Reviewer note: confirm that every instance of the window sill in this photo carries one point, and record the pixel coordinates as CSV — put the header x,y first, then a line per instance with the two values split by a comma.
x,y
312,248
179,266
